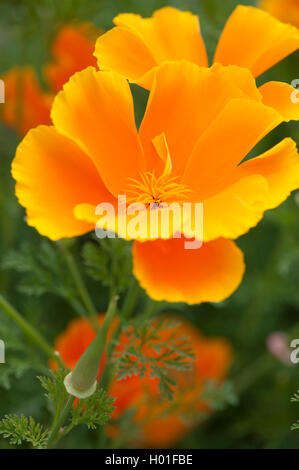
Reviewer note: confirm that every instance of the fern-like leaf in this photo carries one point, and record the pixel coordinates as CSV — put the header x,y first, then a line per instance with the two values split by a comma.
x,y
154,351
19,429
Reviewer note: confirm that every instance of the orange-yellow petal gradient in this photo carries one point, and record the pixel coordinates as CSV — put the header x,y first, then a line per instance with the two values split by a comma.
x,y
226,142
95,109
138,44
285,10
253,39
124,51
280,168
185,100
53,175
168,271
26,104
235,210
282,97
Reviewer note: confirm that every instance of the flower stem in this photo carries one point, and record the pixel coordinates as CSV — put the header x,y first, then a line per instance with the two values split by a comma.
x,y
125,313
130,300
60,422
29,330
79,283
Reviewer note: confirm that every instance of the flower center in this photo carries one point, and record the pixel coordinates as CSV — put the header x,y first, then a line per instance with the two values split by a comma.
x,y
157,190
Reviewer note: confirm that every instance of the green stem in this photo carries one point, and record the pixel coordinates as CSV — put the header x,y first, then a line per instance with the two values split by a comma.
x,y
152,308
29,330
60,422
64,433
79,283
125,314
130,300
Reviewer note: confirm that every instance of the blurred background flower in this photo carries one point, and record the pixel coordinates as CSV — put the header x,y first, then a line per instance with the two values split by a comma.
x,y
286,10
27,102
277,344
155,422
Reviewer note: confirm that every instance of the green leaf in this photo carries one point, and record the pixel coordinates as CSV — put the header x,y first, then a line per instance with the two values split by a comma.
x,y
93,411
16,368
54,386
97,261
218,396
19,429
109,261
161,356
43,270
295,426
18,355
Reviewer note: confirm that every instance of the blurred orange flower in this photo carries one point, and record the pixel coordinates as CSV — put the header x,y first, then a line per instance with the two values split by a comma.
x,y
199,125
72,51
285,10
26,104
251,38
159,423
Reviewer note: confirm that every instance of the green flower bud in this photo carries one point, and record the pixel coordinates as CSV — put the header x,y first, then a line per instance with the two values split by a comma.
x,y
82,381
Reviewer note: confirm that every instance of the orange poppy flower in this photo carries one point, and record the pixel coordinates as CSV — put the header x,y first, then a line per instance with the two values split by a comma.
x,y
251,38
26,104
285,10
72,51
160,423
200,123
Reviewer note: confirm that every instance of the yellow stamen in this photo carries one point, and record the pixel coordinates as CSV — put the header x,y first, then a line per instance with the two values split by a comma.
x,y
152,190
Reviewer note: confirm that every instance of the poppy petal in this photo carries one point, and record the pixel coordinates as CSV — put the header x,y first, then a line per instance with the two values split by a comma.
x,y
282,97
125,52
53,175
286,10
234,211
226,142
95,109
280,167
254,39
184,100
168,271
257,185
138,44
240,77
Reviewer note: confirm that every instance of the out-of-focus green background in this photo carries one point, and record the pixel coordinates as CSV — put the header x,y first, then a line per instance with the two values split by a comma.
x,y
267,301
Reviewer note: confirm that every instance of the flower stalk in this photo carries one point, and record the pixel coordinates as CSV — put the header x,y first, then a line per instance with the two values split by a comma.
x,y
79,283
29,330
61,420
